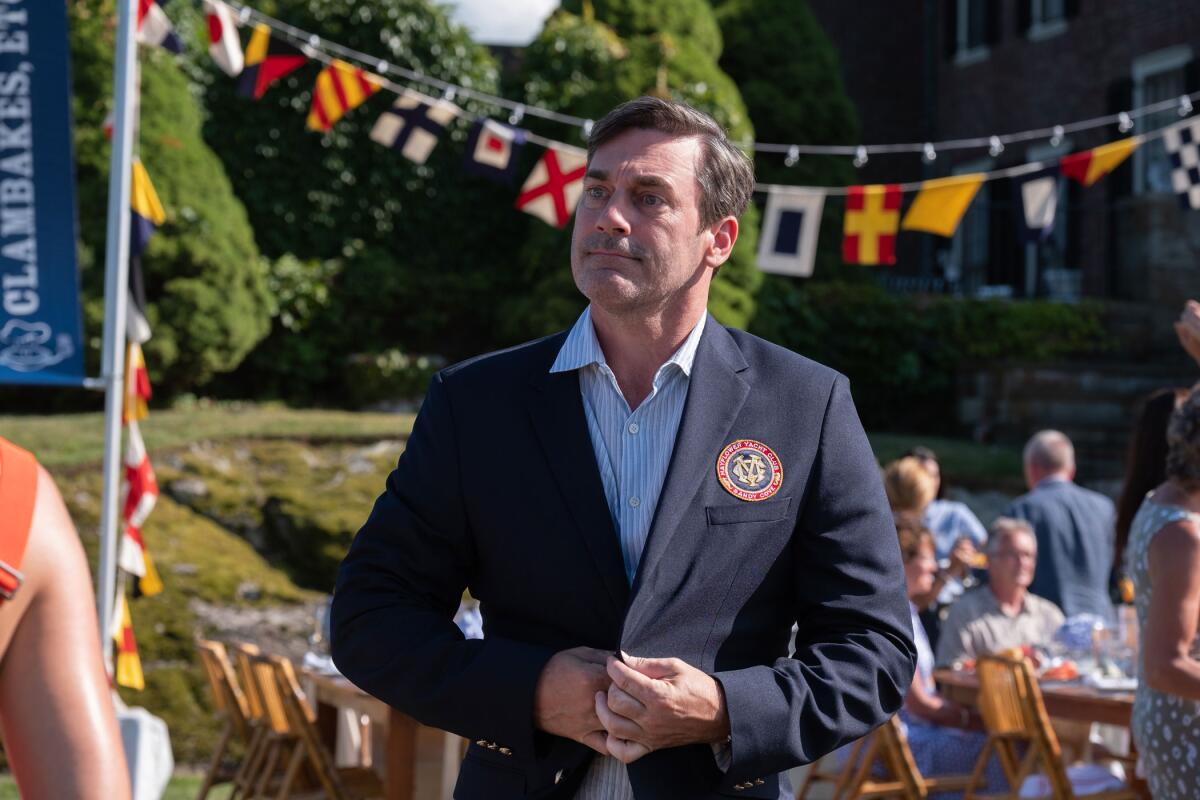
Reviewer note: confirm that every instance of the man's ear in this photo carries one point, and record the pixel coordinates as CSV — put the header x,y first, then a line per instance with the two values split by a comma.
x,y
724,236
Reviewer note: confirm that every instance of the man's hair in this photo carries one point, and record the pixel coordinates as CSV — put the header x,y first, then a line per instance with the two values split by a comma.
x,y
725,174
1005,528
1050,451
922,453
909,485
1183,441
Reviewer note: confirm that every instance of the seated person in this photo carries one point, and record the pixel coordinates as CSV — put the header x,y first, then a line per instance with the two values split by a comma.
x,y
1002,614
911,488
943,735
949,521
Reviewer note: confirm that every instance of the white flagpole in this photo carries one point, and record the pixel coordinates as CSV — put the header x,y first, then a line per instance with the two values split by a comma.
x,y
116,291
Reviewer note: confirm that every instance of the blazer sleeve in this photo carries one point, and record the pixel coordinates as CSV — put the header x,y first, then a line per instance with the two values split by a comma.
x,y
397,591
855,656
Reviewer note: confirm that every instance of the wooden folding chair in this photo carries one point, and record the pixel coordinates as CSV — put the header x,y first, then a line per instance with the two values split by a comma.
x,y
881,765
1014,714
336,783
268,724
231,706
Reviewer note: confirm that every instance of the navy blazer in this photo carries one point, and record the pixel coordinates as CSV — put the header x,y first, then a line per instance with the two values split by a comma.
x,y
1075,538
498,492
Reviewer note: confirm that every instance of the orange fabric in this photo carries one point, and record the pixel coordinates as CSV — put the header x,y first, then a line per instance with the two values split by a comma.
x,y
18,489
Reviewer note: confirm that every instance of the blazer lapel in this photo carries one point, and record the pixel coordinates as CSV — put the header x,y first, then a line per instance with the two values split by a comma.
x,y
556,411
715,396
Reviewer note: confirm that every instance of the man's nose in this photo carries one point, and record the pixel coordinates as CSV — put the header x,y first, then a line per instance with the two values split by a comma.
x,y
612,219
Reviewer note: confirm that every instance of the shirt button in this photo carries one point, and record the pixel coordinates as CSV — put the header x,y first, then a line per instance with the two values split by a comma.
x,y
635,502
633,427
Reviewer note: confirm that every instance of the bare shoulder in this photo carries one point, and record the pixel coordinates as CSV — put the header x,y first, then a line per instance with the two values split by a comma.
x,y
1175,549
54,550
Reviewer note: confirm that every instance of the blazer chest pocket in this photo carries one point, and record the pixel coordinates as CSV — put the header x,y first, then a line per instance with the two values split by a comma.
x,y
763,511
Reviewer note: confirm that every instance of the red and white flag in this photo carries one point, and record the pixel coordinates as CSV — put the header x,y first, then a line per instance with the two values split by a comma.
x,y
223,43
553,188
141,493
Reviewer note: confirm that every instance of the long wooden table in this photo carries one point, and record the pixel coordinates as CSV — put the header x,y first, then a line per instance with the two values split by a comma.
x,y
1069,701
333,692
1063,700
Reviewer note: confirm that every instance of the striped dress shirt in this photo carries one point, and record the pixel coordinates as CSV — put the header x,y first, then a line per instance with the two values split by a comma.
x,y
633,449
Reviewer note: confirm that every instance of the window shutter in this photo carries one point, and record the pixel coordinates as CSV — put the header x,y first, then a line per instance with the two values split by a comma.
x,y
951,31
1120,98
1024,16
994,16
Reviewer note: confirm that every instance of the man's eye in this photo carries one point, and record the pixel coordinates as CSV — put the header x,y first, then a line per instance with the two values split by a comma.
x,y
594,192
652,200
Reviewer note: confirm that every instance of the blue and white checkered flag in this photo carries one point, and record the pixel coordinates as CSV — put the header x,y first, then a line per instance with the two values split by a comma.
x,y
1183,145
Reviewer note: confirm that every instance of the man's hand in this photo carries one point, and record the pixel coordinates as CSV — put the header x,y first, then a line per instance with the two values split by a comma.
x,y
1188,330
563,702
655,703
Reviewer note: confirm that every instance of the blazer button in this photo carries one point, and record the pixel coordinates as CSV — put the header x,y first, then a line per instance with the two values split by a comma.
x,y
759,781
491,745
505,751
481,742
558,776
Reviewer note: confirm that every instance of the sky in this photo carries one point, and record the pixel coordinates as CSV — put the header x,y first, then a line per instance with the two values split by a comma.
x,y
502,21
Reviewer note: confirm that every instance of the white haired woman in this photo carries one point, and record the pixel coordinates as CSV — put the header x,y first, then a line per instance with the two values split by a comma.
x,y
1163,560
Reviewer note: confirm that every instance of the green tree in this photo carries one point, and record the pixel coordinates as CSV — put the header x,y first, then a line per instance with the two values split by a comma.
x,y
587,59
790,78
205,279
415,255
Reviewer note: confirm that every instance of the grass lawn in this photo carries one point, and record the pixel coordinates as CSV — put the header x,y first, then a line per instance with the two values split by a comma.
x,y
181,787
69,440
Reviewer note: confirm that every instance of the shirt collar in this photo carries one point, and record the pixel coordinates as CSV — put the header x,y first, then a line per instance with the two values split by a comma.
x,y
581,347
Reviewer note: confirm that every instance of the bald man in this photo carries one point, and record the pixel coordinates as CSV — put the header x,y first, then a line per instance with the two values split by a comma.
x,y
1074,528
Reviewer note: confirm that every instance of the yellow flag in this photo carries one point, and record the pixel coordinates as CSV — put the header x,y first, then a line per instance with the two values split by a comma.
x,y
150,583
142,197
941,203
129,665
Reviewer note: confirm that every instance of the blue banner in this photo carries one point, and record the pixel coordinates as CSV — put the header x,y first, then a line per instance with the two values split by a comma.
x,y
40,324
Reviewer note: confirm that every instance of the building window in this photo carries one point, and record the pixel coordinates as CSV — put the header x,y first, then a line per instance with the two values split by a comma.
x,y
1158,76
1048,273
1047,18
966,260
973,20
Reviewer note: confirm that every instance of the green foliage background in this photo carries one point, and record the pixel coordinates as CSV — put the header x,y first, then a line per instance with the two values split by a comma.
x,y
206,282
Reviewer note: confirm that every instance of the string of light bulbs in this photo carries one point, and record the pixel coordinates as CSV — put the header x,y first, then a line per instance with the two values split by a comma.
x,y
322,49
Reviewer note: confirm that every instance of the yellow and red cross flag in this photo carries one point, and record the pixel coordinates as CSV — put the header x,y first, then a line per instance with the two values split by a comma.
x,y
553,188
340,87
129,665
870,225
1092,165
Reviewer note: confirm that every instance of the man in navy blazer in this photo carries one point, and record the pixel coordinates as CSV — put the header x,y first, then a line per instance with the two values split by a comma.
x,y
637,593
1074,526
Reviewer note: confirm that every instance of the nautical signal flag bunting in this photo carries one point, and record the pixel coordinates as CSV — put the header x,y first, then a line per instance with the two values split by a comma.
x,y
553,188
267,59
870,223
1092,165
941,203
340,87
413,124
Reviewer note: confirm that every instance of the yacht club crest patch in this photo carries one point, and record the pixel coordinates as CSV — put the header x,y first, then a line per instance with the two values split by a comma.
x,y
749,470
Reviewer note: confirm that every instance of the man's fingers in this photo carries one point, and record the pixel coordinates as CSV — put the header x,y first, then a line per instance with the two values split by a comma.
x,y
614,723
653,667
597,740
630,680
625,704
624,750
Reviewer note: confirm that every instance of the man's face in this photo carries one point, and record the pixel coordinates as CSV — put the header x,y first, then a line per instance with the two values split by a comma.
x,y
637,244
1013,562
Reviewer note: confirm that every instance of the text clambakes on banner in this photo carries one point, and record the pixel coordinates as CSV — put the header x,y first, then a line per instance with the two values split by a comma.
x,y
39,279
